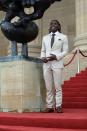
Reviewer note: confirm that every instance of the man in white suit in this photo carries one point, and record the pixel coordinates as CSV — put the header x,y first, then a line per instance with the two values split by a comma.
x,y
54,48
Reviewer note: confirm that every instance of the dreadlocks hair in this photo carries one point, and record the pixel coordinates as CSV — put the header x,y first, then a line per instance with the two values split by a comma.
x,y
59,26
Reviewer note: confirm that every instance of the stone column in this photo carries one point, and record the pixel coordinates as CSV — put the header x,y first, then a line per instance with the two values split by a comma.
x,y
81,24
22,86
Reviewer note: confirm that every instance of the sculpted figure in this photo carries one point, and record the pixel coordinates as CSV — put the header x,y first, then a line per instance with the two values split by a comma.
x,y
24,30
16,8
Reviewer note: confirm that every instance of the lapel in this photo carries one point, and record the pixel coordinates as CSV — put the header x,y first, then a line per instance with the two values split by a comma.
x,y
49,40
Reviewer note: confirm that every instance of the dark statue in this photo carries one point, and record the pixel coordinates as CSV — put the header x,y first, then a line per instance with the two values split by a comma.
x,y
24,30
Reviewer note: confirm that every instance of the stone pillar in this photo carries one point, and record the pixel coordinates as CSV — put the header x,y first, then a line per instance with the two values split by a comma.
x,y
81,24
22,86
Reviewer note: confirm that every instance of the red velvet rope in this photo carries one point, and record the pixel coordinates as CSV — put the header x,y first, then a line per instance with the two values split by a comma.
x,y
82,53
71,59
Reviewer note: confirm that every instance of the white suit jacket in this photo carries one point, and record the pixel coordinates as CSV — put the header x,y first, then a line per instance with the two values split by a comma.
x,y
59,48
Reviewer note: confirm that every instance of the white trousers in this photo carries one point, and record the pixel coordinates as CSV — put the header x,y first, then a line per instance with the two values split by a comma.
x,y
53,91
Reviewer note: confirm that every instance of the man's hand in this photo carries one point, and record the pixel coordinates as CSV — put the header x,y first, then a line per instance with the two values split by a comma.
x,y
52,57
44,59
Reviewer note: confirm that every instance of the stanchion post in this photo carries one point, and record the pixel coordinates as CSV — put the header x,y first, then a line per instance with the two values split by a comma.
x,y
78,61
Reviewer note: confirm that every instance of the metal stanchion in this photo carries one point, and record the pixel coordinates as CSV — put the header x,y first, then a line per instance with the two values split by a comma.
x,y
78,61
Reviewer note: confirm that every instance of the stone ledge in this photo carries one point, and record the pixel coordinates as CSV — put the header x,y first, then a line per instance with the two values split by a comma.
x,y
15,58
